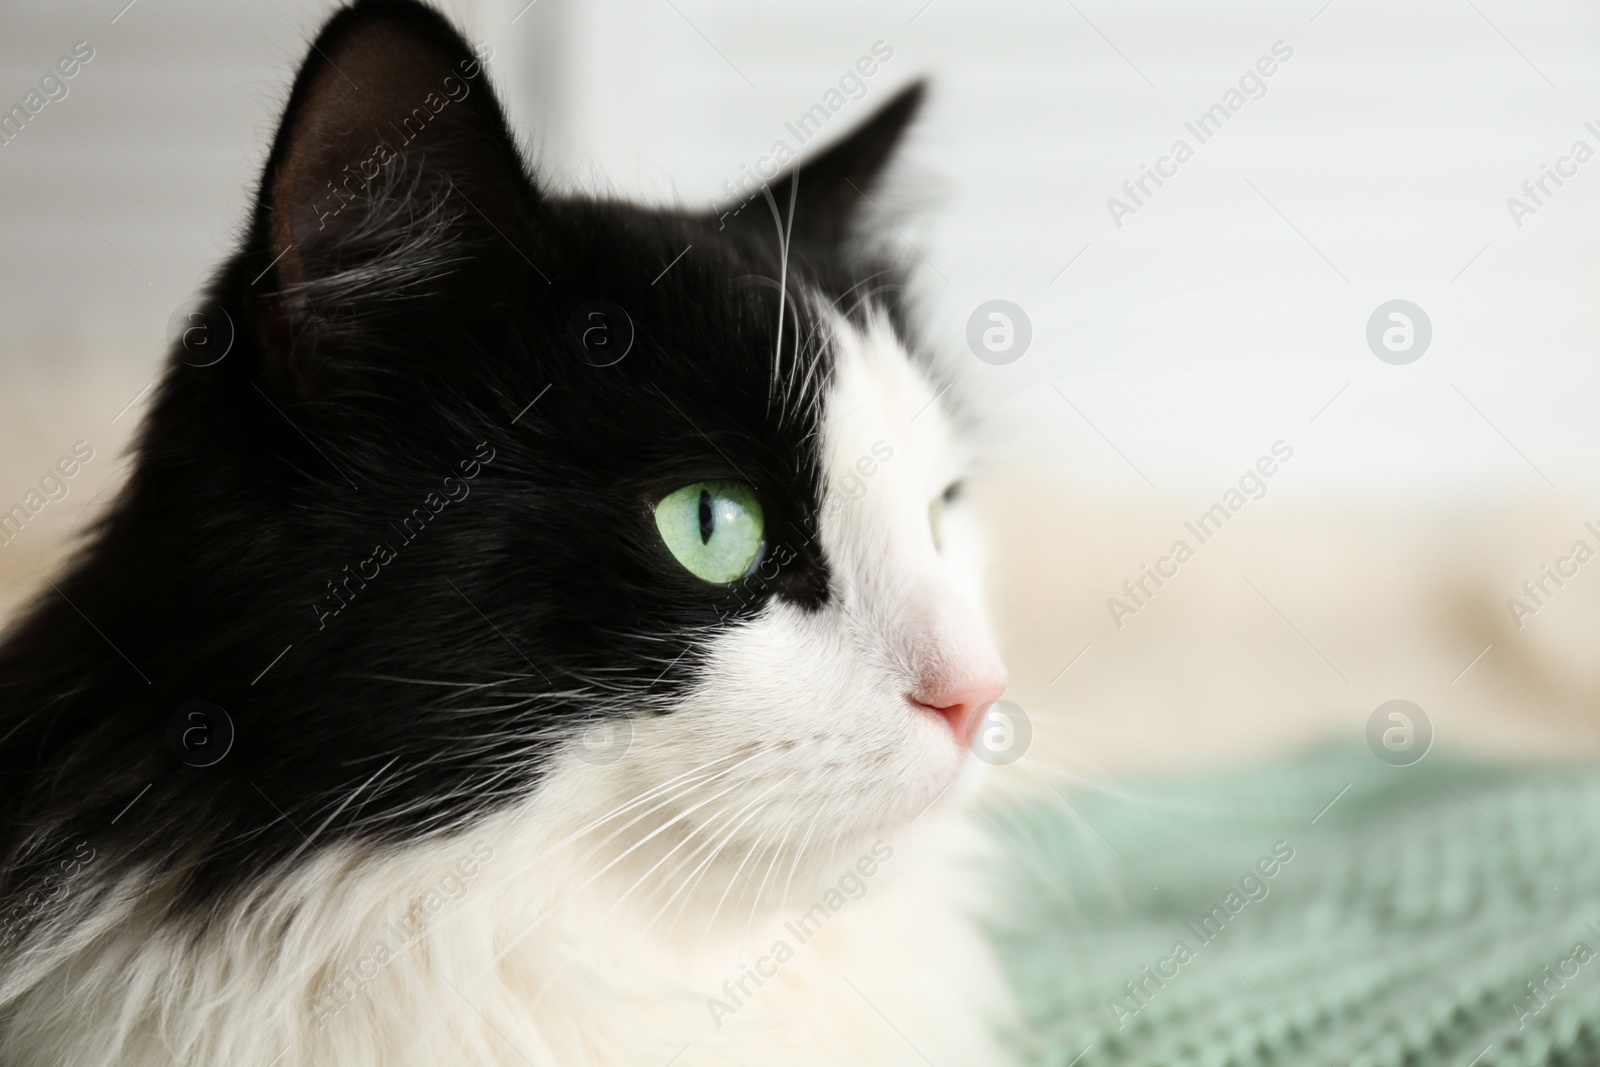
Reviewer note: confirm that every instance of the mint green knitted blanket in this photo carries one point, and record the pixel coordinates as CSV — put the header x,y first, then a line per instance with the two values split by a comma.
x,y
1330,911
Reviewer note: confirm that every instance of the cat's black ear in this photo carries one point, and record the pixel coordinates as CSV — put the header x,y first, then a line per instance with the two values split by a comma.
x,y
834,186
393,155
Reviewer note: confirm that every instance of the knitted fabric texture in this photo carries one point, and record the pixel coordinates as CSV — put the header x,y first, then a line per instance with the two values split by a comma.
x,y
1443,913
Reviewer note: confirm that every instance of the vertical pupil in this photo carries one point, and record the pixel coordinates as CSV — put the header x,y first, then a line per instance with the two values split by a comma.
x,y
707,522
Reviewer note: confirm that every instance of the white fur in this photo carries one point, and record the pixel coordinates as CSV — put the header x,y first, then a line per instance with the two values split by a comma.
x,y
597,922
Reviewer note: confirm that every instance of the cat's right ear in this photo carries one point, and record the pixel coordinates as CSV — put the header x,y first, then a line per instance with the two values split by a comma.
x,y
393,159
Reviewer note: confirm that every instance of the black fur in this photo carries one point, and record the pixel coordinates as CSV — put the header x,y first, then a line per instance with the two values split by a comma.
x,y
383,343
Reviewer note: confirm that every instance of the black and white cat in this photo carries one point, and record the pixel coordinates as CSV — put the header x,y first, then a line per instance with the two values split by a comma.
x,y
520,640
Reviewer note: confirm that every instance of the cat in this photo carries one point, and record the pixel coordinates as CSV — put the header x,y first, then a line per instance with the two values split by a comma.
x,y
535,630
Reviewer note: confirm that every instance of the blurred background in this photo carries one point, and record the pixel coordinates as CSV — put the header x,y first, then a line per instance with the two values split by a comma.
x,y
1177,334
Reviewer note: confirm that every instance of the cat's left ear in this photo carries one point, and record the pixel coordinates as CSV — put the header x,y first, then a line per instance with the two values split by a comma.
x,y
392,155
834,186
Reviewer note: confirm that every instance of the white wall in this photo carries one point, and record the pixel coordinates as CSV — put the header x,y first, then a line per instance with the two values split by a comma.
x,y
1205,327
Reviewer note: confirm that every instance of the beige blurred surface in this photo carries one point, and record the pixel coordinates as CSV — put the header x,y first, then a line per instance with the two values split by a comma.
x,y
1288,627
51,410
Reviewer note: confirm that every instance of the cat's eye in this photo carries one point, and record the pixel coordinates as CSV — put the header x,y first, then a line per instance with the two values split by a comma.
x,y
715,529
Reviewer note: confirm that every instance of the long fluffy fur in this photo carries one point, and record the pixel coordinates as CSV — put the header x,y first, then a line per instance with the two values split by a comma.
x,y
417,851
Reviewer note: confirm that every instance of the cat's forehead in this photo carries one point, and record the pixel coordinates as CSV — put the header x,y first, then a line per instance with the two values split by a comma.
x,y
730,354
878,392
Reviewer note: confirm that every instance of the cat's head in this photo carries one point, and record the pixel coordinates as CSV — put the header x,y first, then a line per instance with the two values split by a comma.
x,y
499,491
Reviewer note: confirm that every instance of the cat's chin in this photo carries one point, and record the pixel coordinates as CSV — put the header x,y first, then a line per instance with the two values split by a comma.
x,y
747,899
694,859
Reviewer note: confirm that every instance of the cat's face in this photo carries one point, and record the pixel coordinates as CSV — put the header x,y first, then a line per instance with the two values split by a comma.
x,y
846,718
485,556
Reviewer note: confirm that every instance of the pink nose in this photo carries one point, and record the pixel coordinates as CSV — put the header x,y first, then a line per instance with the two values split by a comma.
x,y
958,701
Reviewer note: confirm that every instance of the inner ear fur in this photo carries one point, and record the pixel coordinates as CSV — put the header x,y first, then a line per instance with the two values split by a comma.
x,y
393,146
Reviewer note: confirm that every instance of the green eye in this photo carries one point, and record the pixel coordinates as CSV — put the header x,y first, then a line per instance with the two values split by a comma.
x,y
714,528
